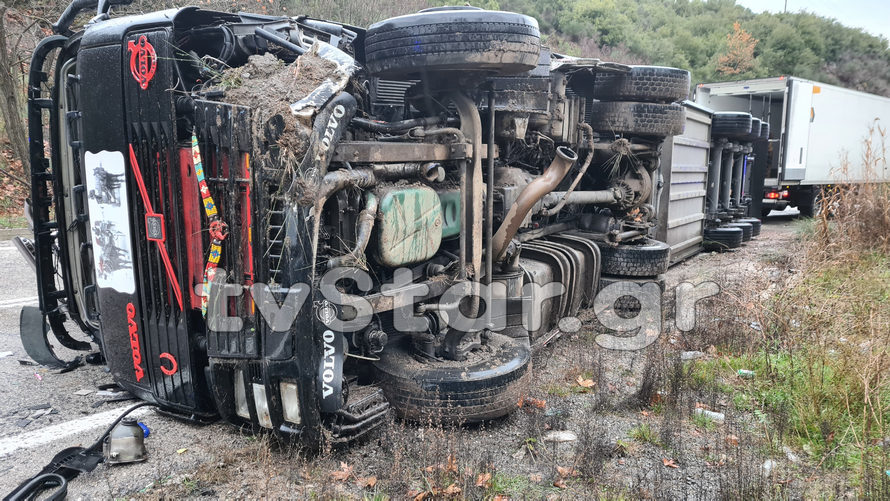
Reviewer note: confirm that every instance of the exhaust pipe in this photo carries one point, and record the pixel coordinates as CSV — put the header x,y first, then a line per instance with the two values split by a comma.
x,y
532,193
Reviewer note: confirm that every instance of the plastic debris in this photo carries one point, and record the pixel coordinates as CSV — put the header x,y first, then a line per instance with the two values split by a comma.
x,y
180,451
790,454
38,376
691,355
145,431
717,417
746,374
768,466
4,354
83,393
560,436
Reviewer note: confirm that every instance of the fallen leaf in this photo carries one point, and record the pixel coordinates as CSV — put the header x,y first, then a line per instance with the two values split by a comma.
x,y
585,383
451,490
540,404
429,469
343,473
670,463
417,495
620,461
483,480
366,482
645,413
451,466
534,477
566,472
180,451
559,482
500,497
732,440
699,405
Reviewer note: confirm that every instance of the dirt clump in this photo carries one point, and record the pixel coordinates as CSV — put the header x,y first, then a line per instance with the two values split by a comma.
x,y
269,86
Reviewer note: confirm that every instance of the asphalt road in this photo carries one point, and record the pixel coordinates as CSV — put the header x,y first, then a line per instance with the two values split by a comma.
x,y
43,412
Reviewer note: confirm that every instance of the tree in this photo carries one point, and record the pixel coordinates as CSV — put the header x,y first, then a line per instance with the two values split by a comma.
x,y
10,107
739,56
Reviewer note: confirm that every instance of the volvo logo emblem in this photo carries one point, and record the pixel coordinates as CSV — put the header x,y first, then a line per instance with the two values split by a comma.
x,y
143,61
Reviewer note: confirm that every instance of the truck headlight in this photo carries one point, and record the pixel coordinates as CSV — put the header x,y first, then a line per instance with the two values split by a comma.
x,y
241,408
262,405
290,402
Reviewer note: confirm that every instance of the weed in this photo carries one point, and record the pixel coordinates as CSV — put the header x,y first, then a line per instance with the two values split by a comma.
x,y
644,433
703,422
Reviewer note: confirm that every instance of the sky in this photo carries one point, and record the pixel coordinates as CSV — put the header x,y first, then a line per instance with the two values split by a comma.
x,y
871,15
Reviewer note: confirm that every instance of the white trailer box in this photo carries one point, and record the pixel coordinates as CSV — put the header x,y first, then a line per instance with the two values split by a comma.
x,y
812,127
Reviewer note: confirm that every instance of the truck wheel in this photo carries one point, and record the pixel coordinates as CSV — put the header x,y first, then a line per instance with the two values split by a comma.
x,y
453,39
628,306
645,119
810,204
764,130
753,221
756,124
647,259
731,124
487,386
747,229
656,84
723,238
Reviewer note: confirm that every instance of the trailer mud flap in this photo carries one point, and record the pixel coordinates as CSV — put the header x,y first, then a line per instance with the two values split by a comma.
x,y
34,330
330,371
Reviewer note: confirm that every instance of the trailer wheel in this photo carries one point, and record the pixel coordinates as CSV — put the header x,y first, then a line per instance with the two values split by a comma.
x,y
453,39
747,229
722,238
656,84
634,118
647,259
756,125
628,306
754,222
731,124
487,386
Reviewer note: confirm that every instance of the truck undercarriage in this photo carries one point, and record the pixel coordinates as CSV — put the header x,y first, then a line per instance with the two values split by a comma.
x,y
298,225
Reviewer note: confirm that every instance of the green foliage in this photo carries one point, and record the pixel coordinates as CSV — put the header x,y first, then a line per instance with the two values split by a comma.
x,y
644,434
692,34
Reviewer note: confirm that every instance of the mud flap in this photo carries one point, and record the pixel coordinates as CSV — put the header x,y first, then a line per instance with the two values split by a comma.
x,y
66,465
330,371
34,330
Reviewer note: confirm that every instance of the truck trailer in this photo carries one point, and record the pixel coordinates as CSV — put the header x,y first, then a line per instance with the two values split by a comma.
x,y
814,126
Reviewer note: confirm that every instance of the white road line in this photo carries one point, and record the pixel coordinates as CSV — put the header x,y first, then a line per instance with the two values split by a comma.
x,y
18,304
57,432
30,299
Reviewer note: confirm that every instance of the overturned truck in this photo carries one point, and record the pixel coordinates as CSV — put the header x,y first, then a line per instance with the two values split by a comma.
x,y
298,225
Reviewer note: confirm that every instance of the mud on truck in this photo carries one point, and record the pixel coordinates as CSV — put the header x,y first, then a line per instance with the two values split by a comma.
x,y
299,225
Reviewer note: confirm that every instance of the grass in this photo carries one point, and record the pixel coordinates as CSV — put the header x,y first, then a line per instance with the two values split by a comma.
x,y
703,422
14,221
644,434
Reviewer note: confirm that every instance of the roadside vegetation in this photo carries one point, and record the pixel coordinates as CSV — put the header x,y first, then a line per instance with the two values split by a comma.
x,y
819,380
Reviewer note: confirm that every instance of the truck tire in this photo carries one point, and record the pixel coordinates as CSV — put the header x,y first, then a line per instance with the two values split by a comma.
x,y
747,229
647,259
628,306
731,124
810,203
453,39
722,238
756,124
753,221
487,386
657,84
764,130
635,118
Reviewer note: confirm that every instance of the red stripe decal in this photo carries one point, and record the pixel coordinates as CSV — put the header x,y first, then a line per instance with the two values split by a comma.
x,y
171,275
